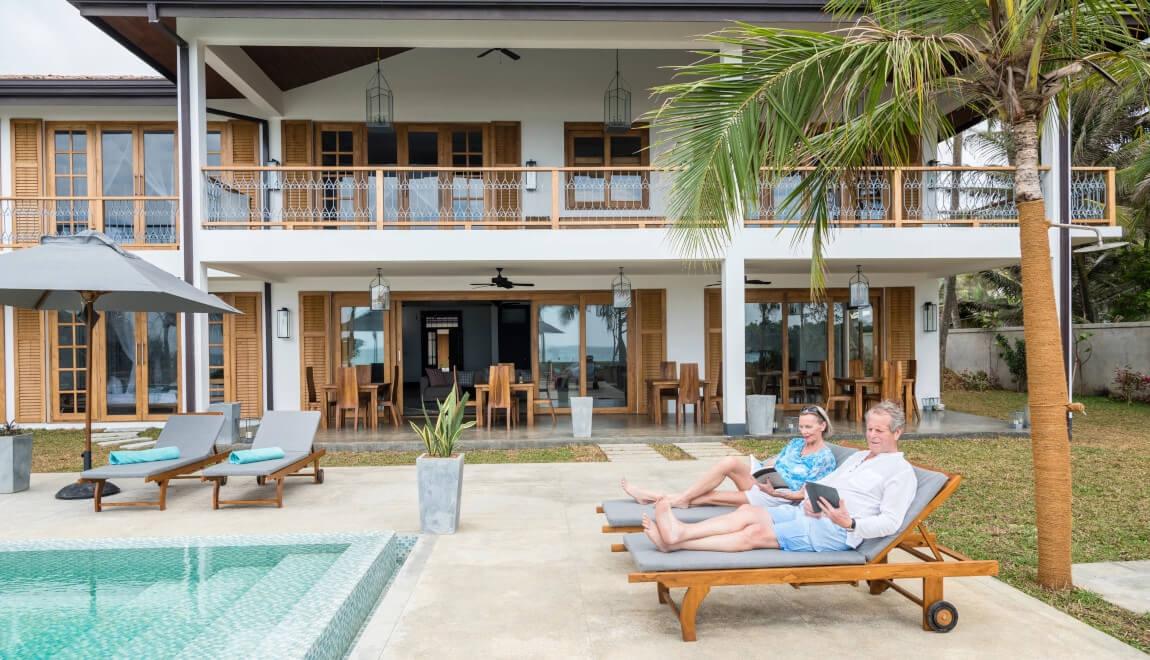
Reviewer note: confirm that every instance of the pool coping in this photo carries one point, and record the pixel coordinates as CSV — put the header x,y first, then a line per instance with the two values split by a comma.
x,y
382,621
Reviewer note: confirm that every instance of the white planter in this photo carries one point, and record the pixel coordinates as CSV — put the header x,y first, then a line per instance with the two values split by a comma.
x,y
760,414
15,463
581,416
440,491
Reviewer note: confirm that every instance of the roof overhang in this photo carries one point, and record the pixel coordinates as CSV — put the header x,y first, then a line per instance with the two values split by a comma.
x,y
87,91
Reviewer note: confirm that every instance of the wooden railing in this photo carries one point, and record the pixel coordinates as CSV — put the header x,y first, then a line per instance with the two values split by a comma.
x,y
132,221
598,197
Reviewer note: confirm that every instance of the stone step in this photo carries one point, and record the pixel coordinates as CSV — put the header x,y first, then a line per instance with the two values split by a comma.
x,y
143,444
707,450
630,453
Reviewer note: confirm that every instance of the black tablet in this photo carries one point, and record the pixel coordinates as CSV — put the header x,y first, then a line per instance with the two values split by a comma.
x,y
816,490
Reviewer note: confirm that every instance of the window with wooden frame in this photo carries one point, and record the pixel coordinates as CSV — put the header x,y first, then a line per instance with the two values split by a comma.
x,y
592,150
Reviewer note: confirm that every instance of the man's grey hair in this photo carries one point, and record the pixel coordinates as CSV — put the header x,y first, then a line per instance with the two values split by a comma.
x,y
892,410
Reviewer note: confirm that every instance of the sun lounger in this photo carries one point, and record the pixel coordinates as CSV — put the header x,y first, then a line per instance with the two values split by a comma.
x,y
292,431
699,571
626,515
195,437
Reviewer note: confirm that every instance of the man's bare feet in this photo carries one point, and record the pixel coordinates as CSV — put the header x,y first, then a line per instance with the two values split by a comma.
x,y
652,532
670,529
638,494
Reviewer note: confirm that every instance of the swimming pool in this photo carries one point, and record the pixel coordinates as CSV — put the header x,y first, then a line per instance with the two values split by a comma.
x,y
293,596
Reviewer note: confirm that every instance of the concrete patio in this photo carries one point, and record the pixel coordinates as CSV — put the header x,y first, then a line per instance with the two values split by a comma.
x,y
530,575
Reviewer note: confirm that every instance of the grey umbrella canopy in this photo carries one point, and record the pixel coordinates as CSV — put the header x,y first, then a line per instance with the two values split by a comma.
x,y
87,272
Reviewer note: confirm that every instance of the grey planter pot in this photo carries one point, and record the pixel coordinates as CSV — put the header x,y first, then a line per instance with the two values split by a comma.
x,y
440,492
760,414
15,463
581,407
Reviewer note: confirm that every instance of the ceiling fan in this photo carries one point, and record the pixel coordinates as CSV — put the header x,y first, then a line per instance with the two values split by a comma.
x,y
501,282
505,51
746,280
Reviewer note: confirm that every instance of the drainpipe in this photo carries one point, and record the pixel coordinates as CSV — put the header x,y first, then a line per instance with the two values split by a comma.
x,y
1064,262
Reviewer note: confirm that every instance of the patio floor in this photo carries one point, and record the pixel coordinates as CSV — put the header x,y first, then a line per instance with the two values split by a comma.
x,y
608,429
530,575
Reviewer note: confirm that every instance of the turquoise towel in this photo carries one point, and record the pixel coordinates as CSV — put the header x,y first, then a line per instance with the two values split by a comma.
x,y
255,455
144,455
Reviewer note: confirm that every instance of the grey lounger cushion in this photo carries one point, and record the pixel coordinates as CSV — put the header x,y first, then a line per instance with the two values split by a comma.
x,y
929,485
629,513
194,435
648,558
291,430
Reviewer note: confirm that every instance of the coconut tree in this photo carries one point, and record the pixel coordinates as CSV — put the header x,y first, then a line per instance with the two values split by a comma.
x,y
771,100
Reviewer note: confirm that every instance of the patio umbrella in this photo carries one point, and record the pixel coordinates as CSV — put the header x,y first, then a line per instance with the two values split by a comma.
x,y
88,273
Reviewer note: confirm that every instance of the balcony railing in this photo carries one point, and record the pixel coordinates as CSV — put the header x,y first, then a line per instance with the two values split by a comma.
x,y
599,197
132,221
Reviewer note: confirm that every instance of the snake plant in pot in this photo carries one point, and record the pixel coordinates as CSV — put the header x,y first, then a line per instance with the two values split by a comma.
x,y
440,469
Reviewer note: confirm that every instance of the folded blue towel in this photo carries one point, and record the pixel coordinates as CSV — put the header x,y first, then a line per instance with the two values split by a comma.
x,y
255,455
144,455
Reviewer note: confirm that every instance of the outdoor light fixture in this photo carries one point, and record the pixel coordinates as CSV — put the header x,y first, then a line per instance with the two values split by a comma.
x,y
273,176
380,292
617,104
283,323
621,291
929,317
380,100
530,180
860,290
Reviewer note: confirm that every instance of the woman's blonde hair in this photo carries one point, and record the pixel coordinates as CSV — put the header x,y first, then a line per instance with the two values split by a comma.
x,y
821,413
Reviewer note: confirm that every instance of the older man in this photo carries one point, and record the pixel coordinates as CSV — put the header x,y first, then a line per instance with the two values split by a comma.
x,y
875,486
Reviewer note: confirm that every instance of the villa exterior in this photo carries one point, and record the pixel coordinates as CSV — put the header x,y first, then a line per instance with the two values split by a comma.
x,y
254,174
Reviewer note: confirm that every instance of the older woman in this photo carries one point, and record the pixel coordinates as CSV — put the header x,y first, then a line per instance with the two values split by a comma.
x,y
806,458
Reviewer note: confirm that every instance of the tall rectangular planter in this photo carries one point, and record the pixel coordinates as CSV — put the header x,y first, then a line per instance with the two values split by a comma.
x,y
440,491
15,463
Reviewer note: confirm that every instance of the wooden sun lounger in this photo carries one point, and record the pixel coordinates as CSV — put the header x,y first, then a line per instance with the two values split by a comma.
x,y
293,469
931,566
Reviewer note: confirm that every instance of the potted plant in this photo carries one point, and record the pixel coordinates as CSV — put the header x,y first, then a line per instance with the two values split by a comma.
x,y
440,470
15,458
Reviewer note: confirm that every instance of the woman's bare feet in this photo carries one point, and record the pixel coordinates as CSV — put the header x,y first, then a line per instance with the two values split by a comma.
x,y
670,529
638,494
652,532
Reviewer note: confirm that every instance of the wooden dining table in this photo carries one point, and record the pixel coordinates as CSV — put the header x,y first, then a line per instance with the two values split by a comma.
x,y
857,386
481,390
655,386
331,393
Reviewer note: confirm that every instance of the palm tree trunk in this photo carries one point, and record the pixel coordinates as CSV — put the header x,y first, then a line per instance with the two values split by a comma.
x,y
1050,445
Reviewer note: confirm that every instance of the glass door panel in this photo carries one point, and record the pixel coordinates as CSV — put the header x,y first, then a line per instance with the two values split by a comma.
x,y
217,367
807,348
383,151
764,347
70,171
606,358
121,359
467,185
159,181
162,373
337,197
559,353
71,377
117,149
423,187
860,333
361,338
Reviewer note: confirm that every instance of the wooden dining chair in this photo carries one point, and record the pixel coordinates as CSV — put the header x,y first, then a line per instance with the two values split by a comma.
x,y
907,371
545,389
832,399
348,398
688,393
667,371
499,395
713,396
314,400
389,404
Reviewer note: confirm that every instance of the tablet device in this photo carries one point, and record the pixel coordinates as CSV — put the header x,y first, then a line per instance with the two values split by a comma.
x,y
767,474
816,490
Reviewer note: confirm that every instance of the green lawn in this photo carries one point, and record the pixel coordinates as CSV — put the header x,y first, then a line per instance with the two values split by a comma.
x,y
991,516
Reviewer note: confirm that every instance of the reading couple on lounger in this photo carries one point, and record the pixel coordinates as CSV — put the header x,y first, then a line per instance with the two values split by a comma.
x,y
875,486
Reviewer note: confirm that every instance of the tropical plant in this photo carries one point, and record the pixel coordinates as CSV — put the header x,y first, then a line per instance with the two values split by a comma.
x,y
1014,357
1130,385
440,438
772,100
10,428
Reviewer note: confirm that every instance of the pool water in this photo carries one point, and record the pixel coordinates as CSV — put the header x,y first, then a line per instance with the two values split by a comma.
x,y
302,596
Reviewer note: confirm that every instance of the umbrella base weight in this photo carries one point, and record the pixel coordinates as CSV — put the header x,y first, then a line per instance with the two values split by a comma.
x,y
85,491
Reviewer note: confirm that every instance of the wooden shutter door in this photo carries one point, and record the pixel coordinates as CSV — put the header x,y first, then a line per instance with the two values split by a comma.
x,y
651,310
313,342
297,151
504,202
27,179
247,361
900,323
244,149
28,329
713,326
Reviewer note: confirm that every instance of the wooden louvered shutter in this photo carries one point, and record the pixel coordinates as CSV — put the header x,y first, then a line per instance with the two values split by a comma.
x,y
244,149
713,326
28,329
246,362
900,323
504,201
651,309
27,179
297,151
313,341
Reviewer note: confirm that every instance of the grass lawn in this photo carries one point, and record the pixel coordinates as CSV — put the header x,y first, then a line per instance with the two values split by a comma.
x,y
991,516
671,452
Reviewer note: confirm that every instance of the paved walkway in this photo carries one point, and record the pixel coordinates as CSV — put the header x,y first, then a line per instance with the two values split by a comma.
x,y
530,575
1124,583
631,453
707,451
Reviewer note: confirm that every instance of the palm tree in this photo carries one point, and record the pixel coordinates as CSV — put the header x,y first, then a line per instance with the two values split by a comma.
x,y
836,102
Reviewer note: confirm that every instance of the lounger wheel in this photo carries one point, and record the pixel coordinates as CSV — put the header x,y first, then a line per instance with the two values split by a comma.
x,y
942,616
877,586
319,476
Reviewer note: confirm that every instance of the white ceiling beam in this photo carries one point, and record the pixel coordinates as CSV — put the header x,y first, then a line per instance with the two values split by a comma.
x,y
234,65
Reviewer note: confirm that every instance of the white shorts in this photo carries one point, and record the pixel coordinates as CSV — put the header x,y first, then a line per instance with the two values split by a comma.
x,y
756,497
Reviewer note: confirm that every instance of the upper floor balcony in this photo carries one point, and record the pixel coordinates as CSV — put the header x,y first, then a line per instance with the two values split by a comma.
x,y
393,198
133,221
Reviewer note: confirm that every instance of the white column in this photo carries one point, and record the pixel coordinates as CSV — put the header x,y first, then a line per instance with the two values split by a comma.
x,y
5,174
9,375
198,125
734,343
928,379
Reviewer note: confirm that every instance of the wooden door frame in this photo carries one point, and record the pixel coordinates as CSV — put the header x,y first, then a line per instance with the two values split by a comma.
x,y
423,313
99,379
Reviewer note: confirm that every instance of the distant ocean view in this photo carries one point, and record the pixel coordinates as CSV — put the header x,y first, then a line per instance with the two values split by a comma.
x,y
571,353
